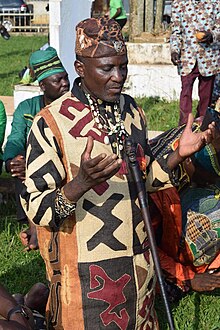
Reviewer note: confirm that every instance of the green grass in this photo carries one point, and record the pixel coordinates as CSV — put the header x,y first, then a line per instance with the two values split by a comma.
x,y
19,270
161,114
14,56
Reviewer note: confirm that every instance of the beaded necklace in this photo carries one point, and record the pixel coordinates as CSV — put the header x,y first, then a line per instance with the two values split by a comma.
x,y
113,127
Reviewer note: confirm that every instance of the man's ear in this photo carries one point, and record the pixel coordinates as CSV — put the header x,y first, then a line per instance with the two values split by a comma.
x,y
42,87
79,67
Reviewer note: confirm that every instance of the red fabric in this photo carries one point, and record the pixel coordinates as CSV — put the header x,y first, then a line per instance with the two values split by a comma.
x,y
174,257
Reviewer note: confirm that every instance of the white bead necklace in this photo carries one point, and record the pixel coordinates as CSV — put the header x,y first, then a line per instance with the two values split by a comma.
x,y
115,130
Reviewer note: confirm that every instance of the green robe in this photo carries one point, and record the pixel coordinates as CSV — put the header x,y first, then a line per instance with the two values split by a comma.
x,y
2,126
21,124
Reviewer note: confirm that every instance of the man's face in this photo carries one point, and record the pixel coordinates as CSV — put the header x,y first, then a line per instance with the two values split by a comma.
x,y
55,85
104,77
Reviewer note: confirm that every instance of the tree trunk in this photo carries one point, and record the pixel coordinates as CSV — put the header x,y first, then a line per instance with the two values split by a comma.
x,y
149,15
159,16
136,19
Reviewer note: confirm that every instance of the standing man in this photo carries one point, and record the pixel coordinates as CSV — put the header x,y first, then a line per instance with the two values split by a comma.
x,y
194,49
117,12
80,194
53,81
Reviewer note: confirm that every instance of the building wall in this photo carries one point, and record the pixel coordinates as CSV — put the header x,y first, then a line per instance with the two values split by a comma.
x,y
151,73
64,15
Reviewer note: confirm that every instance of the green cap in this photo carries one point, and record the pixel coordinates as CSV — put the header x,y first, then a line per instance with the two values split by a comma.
x,y
45,63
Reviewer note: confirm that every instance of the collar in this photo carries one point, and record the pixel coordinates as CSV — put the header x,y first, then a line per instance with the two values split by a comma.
x,y
42,103
80,95
78,92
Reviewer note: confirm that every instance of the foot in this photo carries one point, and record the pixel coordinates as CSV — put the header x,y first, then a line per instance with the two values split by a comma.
x,y
19,298
28,238
36,298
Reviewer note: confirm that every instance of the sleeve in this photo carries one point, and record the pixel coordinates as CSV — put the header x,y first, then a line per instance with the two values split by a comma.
x,y
44,175
176,35
115,3
216,30
3,120
157,174
16,142
175,271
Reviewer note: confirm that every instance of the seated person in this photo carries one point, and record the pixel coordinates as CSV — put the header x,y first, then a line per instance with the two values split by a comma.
x,y
26,312
54,82
15,316
187,220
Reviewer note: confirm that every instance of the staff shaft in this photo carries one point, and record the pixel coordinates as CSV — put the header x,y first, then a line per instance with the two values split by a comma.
x,y
142,197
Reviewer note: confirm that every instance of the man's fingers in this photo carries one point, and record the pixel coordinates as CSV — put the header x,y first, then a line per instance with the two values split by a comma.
x,y
101,161
189,121
88,149
107,172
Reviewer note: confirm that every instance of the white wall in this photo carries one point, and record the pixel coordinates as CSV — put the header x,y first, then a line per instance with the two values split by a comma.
x,y
64,15
155,80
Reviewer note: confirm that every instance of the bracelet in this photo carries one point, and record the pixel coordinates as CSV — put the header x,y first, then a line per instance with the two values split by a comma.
x,y
63,206
20,309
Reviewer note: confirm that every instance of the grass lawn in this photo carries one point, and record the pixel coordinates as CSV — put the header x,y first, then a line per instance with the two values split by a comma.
x,y
14,55
20,270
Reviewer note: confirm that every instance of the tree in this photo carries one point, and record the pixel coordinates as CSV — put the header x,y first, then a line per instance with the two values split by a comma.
x,y
159,15
149,15
136,22
142,16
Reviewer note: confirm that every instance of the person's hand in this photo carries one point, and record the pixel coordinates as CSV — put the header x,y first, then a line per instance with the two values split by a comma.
x,y
98,169
216,141
17,167
205,282
208,37
191,142
92,172
175,58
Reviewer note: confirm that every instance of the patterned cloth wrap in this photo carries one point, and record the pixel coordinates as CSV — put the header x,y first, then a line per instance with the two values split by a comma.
x,y
200,205
201,222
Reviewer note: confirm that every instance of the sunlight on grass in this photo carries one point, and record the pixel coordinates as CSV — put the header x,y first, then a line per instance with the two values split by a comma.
x,y
14,55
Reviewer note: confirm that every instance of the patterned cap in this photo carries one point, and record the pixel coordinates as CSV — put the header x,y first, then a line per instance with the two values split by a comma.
x,y
45,63
99,37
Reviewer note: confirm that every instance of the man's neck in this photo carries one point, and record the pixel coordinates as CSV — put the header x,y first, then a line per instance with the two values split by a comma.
x,y
46,100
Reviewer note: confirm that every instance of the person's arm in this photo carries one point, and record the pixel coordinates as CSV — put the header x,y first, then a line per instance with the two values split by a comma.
x,y
44,199
116,5
13,320
176,35
185,277
190,142
117,13
162,172
44,175
216,30
3,120
16,141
